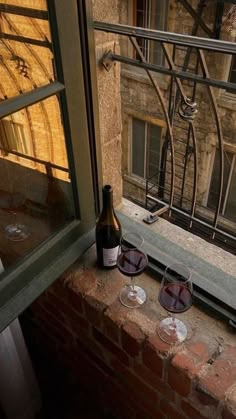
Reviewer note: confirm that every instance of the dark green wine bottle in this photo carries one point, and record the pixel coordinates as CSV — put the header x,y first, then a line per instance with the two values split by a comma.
x,y
108,232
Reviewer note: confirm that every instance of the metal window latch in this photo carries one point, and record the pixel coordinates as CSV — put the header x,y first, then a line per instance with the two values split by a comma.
x,y
151,218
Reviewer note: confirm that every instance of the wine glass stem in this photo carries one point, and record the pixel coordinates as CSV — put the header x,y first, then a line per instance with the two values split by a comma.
x,y
173,325
13,217
132,289
173,322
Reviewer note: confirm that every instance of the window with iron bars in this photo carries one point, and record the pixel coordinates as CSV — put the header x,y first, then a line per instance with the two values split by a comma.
x,y
150,14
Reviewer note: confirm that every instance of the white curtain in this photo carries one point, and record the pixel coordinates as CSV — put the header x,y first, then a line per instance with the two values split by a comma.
x,y
19,392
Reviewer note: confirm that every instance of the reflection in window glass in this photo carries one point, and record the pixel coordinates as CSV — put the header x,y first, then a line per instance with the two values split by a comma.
x,y
25,47
35,188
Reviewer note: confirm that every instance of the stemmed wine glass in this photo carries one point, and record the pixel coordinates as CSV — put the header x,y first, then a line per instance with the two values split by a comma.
x,y
131,261
176,296
16,231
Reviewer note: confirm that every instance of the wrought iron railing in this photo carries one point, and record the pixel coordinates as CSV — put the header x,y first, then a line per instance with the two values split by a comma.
x,y
163,197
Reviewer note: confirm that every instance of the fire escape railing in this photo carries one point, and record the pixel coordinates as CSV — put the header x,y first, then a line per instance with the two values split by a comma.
x,y
187,107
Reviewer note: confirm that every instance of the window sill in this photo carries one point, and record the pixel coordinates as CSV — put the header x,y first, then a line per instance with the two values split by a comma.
x,y
83,323
140,183
213,268
227,100
141,76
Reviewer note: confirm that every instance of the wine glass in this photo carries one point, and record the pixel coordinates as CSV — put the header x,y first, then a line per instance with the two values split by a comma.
x,y
131,261
15,231
176,296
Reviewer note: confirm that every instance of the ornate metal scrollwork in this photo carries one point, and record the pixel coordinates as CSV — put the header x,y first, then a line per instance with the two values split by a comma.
x,y
187,109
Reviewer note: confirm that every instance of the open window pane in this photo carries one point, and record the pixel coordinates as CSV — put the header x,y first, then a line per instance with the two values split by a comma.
x,y
26,47
138,147
35,187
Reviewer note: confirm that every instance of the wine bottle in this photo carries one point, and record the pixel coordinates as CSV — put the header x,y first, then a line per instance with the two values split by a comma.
x,y
108,232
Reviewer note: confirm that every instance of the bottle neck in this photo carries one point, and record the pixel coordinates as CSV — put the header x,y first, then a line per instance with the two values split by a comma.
x,y
107,201
107,195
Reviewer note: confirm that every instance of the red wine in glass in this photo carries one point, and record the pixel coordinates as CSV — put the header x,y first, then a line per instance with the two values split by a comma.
x,y
131,261
176,297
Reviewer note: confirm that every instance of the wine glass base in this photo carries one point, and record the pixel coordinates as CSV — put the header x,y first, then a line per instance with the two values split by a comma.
x,y
17,232
170,332
132,297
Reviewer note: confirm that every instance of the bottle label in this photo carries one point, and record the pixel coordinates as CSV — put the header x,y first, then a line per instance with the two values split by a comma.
x,y
110,256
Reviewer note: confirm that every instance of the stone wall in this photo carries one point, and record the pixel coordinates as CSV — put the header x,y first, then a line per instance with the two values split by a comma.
x,y
138,95
109,98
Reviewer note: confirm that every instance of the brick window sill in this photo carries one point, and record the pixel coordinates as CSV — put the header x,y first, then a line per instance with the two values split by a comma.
x,y
117,353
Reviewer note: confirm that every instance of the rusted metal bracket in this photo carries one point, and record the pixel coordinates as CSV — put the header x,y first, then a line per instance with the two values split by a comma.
x,y
107,60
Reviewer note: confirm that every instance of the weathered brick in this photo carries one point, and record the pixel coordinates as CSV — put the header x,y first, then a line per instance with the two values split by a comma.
x,y
154,353
203,347
111,347
228,414
134,384
145,414
158,385
57,306
170,411
81,281
200,350
94,310
74,300
132,338
220,376
190,411
58,329
229,411
182,370
111,329
117,399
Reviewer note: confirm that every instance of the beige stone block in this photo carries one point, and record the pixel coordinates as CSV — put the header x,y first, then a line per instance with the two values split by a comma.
x,y
105,11
111,157
109,102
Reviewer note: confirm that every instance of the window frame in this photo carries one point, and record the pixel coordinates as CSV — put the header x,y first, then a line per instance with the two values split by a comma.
x,y
147,120
21,284
132,20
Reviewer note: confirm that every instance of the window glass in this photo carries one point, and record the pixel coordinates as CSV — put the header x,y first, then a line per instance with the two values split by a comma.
x,y
25,47
141,20
152,15
138,147
35,188
154,142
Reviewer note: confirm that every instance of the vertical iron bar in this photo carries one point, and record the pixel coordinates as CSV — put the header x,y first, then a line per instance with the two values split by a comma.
x,y
228,184
191,128
168,123
171,110
220,135
195,180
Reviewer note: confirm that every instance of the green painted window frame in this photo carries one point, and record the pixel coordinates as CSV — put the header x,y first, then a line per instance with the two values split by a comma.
x,y
70,24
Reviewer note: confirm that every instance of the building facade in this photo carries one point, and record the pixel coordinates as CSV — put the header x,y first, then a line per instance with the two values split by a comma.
x,y
144,133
